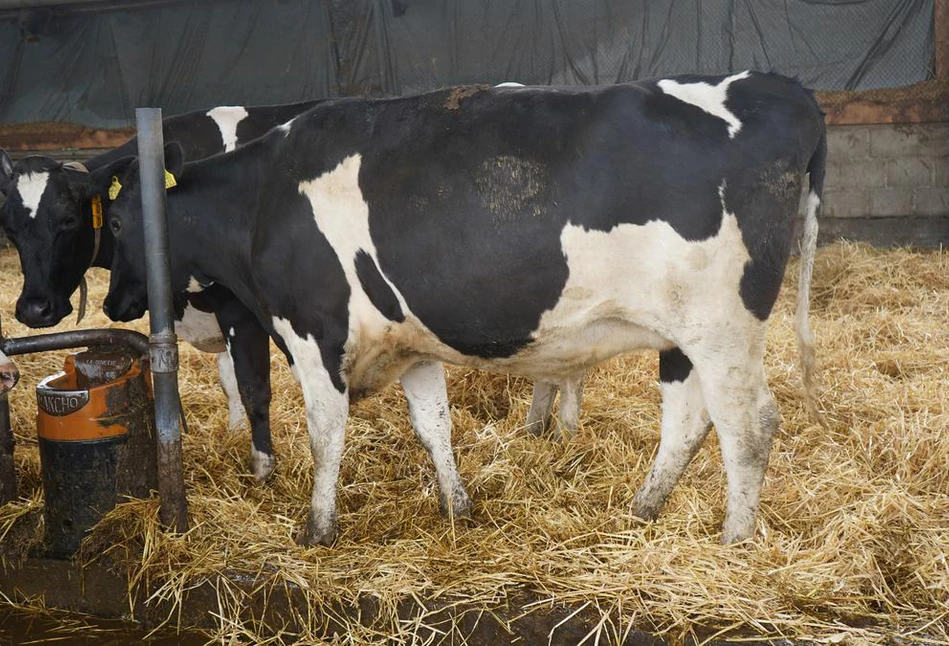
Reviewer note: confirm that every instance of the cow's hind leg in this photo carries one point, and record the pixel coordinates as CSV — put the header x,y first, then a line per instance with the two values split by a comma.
x,y
248,351
746,418
685,424
542,405
424,386
539,416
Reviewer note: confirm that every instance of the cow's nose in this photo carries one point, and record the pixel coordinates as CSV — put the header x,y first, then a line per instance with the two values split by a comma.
x,y
35,313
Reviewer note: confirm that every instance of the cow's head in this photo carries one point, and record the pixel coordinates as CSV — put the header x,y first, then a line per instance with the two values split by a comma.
x,y
127,299
46,210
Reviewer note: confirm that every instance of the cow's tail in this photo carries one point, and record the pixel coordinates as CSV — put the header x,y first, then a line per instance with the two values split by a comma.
x,y
805,337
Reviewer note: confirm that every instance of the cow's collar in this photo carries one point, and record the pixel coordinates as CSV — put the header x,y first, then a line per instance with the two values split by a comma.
x,y
97,219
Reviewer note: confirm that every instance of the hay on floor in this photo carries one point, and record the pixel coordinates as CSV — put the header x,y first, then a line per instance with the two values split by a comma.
x,y
853,529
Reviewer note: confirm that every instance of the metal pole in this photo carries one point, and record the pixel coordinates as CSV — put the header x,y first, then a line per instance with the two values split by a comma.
x,y
7,471
75,339
164,348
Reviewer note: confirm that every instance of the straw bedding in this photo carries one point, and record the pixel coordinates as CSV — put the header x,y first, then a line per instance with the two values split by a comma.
x,y
852,536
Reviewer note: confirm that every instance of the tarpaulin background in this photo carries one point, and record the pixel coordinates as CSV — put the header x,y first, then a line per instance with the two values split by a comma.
x,y
95,67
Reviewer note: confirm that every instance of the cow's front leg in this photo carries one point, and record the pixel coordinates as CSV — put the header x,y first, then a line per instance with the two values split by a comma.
x,y
424,386
248,352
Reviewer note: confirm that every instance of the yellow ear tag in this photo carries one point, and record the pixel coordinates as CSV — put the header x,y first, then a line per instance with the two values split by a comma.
x,y
96,211
114,188
170,180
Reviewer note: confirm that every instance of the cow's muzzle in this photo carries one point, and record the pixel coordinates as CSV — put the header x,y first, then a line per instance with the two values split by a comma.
x,y
123,310
41,312
9,375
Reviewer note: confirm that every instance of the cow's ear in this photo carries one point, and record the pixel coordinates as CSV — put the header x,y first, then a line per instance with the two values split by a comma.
x,y
6,165
174,158
102,177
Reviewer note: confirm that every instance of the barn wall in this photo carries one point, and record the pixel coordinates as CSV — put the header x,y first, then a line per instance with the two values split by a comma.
x,y
888,184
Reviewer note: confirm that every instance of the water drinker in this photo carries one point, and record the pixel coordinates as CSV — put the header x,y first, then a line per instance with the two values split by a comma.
x,y
95,422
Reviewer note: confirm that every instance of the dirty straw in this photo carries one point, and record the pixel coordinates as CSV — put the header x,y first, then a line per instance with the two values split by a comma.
x,y
851,541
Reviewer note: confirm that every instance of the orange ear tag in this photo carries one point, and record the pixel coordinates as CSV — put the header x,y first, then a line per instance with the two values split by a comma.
x,y
96,211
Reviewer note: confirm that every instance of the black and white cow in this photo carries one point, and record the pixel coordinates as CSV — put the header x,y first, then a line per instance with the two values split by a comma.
x,y
9,374
535,231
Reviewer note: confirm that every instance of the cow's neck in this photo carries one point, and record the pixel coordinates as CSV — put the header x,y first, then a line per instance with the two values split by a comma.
x,y
211,215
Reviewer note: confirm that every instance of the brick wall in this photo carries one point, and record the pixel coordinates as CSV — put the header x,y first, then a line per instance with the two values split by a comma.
x,y
878,172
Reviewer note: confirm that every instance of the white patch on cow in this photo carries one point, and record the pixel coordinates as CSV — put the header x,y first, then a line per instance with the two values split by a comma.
x,y
31,187
194,286
424,386
641,286
9,374
710,98
509,84
261,464
200,329
326,413
236,415
230,333
227,117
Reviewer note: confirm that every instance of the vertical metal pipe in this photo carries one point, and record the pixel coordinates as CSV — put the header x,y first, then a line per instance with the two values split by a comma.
x,y
164,349
8,490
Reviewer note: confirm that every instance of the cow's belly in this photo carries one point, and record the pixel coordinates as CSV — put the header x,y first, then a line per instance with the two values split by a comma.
x,y
200,329
385,352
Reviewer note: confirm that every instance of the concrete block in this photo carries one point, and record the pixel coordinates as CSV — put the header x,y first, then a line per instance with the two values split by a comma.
x,y
855,173
931,200
848,142
909,171
845,203
909,140
891,201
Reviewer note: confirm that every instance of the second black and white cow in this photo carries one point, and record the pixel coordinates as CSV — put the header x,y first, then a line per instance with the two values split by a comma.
x,y
536,231
48,214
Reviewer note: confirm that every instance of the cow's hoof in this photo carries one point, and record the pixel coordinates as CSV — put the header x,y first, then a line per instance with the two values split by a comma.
x,y
459,506
537,427
313,536
734,536
262,464
644,509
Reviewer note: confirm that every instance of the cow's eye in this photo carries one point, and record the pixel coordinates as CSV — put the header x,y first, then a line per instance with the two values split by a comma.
x,y
116,225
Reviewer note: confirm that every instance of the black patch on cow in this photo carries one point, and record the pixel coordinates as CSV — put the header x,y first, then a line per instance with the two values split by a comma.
x,y
376,288
673,366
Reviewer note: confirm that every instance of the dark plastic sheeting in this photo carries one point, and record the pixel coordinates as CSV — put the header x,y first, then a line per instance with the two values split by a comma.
x,y
95,68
